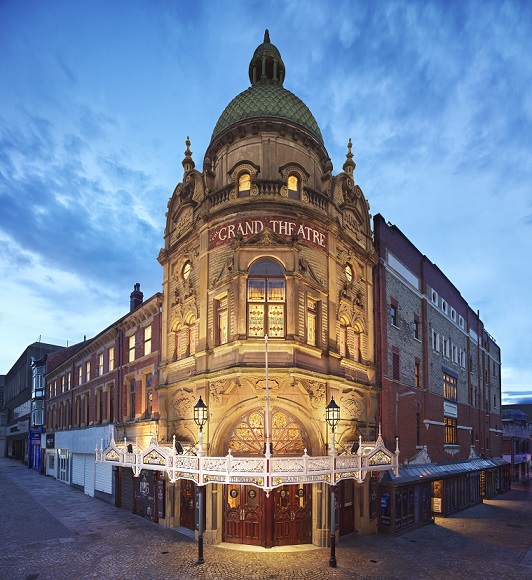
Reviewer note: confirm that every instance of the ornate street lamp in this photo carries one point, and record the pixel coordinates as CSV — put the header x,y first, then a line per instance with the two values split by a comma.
x,y
200,418
333,417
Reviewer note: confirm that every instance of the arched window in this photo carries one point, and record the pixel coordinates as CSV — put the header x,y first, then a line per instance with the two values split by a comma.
x,y
266,297
293,186
287,435
244,184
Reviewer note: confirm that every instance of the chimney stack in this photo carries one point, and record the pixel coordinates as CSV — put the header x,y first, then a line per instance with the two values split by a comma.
x,y
136,297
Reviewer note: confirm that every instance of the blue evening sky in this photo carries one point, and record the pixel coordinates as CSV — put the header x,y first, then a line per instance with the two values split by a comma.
x,y
97,99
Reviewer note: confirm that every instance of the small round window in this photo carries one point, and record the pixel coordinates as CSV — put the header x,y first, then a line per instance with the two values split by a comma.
x,y
187,268
348,273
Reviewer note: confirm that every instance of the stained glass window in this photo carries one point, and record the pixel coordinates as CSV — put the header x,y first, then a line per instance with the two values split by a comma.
x,y
266,294
287,436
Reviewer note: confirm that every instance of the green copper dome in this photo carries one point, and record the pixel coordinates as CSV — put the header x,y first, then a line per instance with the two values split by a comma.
x,y
267,97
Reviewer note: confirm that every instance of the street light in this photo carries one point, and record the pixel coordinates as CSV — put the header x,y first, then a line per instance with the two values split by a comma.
x,y
332,415
200,418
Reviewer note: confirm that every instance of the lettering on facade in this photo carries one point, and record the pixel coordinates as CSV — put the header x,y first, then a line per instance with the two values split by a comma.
x,y
282,227
351,222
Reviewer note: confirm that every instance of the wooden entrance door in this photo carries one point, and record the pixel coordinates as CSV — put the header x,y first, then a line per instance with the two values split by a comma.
x,y
187,512
346,503
292,515
244,519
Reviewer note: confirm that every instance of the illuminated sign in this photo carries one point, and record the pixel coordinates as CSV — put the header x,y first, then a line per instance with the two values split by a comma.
x,y
283,227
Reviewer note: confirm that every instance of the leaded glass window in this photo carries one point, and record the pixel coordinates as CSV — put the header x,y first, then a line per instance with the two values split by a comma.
x,y
287,436
266,296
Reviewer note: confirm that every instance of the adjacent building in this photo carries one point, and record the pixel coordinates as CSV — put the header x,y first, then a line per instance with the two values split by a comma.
x,y
18,403
517,439
440,372
99,389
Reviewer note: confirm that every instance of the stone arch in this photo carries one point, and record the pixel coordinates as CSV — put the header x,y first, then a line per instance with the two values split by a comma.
x,y
291,431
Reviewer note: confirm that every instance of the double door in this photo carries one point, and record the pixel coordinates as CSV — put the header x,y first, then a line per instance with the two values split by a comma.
x,y
291,515
283,518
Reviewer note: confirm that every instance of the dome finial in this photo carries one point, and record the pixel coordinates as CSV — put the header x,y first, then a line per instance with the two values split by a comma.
x,y
266,66
266,36
349,164
188,163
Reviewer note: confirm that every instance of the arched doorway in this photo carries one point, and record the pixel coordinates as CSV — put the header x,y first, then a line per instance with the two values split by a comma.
x,y
282,518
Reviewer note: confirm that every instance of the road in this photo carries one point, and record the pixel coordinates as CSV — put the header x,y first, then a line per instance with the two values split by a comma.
x,y
49,530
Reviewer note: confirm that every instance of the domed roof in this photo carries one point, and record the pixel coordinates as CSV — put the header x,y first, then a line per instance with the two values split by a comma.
x,y
267,97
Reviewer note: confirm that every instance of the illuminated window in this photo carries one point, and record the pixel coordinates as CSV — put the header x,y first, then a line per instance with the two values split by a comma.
x,y
80,375
147,340
451,431
348,270
417,376
69,381
244,184
312,316
187,268
131,348
293,186
100,364
266,297
87,371
450,387
111,358
287,435
63,384
221,306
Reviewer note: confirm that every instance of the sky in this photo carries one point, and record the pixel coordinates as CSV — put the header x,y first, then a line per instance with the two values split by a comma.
x,y
97,99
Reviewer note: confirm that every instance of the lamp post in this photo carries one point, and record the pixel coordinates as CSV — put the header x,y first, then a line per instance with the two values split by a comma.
x,y
333,417
200,418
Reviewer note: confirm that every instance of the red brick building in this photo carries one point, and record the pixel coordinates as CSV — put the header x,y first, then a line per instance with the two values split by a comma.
x,y
440,372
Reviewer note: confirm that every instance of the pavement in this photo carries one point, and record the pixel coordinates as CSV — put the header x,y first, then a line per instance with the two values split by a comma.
x,y
49,530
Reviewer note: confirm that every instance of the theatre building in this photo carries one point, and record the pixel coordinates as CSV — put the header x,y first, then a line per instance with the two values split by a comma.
x,y
268,268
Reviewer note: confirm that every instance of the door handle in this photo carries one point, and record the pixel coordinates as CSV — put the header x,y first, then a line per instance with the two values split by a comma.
x,y
242,515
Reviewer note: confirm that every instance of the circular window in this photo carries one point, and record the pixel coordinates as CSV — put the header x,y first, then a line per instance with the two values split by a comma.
x,y
348,273
187,268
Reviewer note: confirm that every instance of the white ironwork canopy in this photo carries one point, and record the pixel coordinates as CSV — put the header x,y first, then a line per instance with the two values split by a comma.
x,y
265,472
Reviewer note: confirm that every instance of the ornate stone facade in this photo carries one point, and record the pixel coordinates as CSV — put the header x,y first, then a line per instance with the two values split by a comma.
x,y
266,240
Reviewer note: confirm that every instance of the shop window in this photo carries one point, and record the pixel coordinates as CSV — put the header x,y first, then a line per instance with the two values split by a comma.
x,y
244,184
266,297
